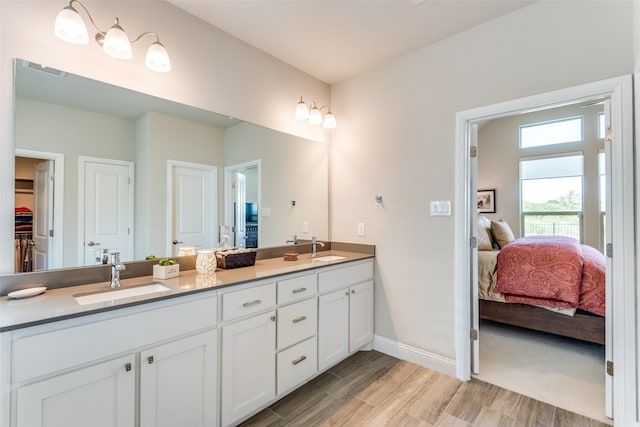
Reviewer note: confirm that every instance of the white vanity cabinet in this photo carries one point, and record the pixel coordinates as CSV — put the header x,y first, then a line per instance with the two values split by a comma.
x,y
345,311
86,371
248,370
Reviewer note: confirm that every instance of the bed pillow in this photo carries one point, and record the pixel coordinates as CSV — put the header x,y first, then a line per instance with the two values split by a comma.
x,y
502,233
485,240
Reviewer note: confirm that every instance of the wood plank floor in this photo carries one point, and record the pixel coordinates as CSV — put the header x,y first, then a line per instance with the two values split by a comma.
x,y
373,389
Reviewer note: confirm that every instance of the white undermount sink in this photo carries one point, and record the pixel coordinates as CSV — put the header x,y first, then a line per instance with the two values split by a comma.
x,y
328,258
119,293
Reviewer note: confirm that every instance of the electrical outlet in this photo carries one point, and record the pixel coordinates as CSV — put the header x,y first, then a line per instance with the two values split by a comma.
x,y
305,227
361,230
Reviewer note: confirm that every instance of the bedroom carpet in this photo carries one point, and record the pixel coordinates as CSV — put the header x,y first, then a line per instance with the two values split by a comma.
x,y
563,372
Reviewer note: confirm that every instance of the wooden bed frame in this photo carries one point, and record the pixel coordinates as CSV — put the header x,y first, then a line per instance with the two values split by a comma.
x,y
582,326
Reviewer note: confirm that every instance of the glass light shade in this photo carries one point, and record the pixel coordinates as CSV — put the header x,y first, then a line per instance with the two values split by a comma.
x,y
206,261
302,111
70,27
315,116
329,121
157,58
117,44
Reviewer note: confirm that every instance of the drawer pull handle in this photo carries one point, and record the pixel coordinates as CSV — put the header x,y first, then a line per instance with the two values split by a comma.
x,y
298,290
299,360
127,367
150,360
299,319
250,303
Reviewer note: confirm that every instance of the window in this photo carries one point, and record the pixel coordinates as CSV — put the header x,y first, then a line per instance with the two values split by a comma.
x,y
551,195
602,194
549,133
601,126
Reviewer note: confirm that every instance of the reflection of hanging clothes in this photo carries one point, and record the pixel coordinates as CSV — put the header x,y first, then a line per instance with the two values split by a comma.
x,y
24,248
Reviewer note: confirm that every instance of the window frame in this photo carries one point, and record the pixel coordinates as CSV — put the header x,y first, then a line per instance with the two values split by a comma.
x,y
548,122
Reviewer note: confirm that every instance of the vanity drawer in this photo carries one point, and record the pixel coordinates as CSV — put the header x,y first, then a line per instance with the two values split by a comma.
x,y
297,322
341,277
74,344
297,288
247,301
296,364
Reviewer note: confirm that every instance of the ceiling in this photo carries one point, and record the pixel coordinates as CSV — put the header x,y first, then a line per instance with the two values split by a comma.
x,y
333,40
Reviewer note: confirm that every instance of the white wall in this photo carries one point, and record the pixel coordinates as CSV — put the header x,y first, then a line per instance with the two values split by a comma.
x,y
397,136
211,70
291,169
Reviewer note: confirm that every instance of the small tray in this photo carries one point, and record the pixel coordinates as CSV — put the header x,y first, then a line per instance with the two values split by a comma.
x,y
26,293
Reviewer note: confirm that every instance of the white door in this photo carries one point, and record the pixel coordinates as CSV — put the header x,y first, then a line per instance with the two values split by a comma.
x,y
609,265
106,215
248,366
193,211
178,382
101,395
240,225
473,202
333,328
360,315
43,194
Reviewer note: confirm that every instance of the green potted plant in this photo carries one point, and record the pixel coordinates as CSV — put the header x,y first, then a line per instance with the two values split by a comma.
x,y
165,269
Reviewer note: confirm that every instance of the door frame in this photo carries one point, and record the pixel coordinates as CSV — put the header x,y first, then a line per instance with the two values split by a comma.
x,y
213,171
58,200
622,305
82,160
228,192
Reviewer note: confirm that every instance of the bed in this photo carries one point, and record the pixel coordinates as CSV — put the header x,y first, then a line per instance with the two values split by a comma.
x,y
551,284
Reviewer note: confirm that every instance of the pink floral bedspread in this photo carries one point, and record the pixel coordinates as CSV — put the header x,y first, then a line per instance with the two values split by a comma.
x,y
554,271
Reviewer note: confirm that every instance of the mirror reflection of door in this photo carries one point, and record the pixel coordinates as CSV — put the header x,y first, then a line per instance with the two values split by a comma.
x,y
242,201
193,217
106,217
43,195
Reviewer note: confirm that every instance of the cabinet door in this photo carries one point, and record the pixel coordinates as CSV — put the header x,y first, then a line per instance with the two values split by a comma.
x,y
333,328
248,366
360,315
96,396
178,382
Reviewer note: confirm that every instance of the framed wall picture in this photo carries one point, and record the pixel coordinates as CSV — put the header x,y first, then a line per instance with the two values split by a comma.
x,y
486,201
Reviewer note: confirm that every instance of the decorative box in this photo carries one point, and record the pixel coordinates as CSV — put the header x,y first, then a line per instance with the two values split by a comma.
x,y
236,260
166,271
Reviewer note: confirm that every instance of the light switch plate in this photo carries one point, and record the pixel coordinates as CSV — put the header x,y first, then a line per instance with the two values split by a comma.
x,y
361,229
305,227
266,211
441,208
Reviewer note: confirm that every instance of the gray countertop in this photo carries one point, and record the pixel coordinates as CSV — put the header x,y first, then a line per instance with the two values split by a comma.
x,y
59,304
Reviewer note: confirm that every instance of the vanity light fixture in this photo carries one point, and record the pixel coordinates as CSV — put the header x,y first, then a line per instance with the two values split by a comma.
x,y
314,114
70,27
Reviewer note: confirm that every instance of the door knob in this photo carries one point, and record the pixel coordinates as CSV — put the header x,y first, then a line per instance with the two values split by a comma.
x,y
175,242
92,243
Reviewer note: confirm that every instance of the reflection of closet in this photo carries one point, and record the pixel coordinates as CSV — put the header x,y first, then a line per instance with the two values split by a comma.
x,y
24,204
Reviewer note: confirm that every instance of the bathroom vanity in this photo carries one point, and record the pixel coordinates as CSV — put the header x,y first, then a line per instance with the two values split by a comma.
x,y
208,351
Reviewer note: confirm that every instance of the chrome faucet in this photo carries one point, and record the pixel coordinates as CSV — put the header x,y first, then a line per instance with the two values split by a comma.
x,y
116,268
314,243
294,240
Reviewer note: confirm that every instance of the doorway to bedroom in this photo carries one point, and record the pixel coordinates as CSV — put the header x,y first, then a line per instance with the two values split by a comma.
x,y
544,174
526,211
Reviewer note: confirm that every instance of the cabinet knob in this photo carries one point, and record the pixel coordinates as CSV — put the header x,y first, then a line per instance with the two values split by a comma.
x,y
273,318
299,360
150,360
127,367
299,319
347,293
353,291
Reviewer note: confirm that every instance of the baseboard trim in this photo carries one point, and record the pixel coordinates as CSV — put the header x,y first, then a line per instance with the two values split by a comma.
x,y
415,355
